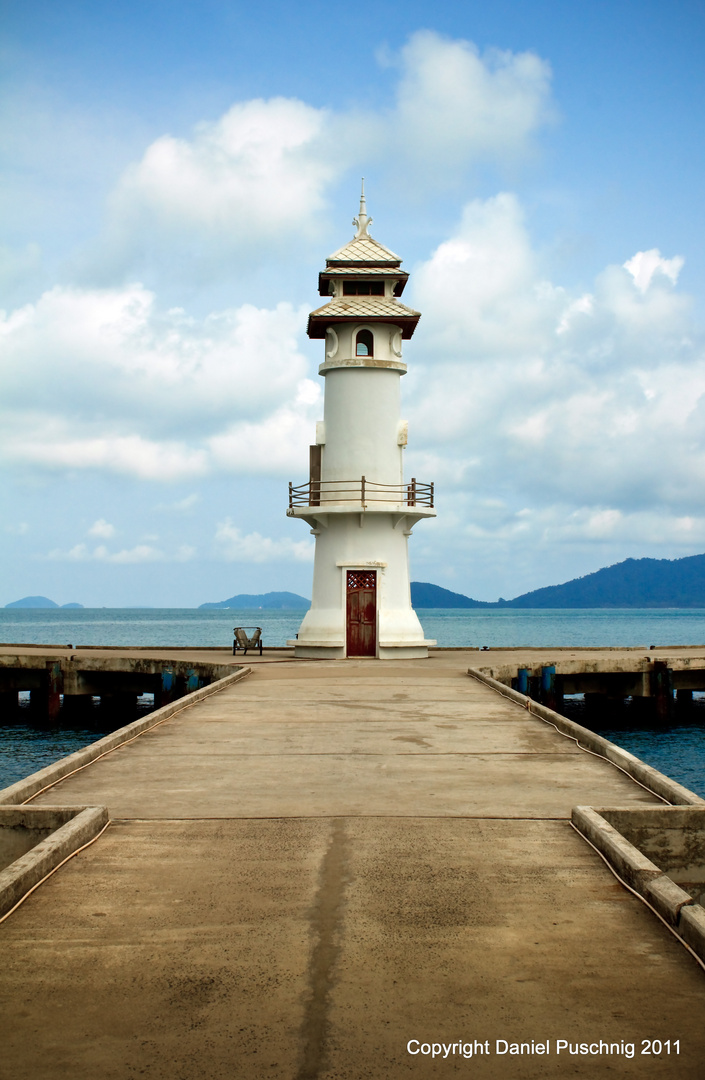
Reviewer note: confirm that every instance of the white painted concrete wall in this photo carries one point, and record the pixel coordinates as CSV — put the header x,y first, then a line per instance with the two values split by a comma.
x,y
377,545
361,418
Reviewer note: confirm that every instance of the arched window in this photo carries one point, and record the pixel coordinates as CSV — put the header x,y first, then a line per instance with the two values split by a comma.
x,y
364,344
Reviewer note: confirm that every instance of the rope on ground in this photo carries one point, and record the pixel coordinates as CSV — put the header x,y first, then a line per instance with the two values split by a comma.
x,y
580,746
111,750
57,867
639,896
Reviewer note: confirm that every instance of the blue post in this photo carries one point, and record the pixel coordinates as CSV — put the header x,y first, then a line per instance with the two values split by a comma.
x,y
548,679
548,685
168,690
523,680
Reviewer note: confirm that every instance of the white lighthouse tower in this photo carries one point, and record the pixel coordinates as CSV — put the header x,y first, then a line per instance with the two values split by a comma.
x,y
356,502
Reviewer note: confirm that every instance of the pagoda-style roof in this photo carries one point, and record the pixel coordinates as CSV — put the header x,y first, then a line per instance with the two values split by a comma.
x,y
363,258
357,270
364,251
369,309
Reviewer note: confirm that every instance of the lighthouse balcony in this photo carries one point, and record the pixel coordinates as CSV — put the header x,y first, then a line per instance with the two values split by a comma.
x,y
344,496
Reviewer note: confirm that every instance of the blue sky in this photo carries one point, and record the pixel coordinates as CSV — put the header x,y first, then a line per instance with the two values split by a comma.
x,y
174,176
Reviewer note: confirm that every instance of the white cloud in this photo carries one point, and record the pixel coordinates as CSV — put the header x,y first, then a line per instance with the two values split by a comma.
x,y
480,290
257,180
645,264
140,553
252,547
82,553
52,445
278,443
181,506
563,524
102,529
242,187
584,305
593,404
454,104
149,393
116,350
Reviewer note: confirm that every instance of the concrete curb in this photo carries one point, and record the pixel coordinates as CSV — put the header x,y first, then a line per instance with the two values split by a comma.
x,y
27,871
25,789
675,906
691,927
651,778
630,863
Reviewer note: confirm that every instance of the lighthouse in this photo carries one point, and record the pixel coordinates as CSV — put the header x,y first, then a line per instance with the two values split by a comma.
x,y
356,502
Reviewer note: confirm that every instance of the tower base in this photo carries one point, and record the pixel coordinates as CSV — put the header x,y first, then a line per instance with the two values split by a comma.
x,y
391,651
317,652
405,652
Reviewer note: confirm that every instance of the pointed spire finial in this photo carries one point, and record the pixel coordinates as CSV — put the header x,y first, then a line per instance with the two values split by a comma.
x,y
362,221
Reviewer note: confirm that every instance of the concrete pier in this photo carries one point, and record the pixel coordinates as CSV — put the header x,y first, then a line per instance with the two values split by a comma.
x,y
619,672
116,676
319,864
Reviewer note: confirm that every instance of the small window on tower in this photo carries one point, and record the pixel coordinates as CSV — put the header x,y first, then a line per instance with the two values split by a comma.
x,y
363,288
364,343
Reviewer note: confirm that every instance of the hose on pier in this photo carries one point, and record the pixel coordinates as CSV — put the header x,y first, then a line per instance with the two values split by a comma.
x,y
639,896
53,871
580,746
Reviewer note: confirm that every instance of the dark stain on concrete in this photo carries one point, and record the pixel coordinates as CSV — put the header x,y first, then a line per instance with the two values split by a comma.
x,y
326,919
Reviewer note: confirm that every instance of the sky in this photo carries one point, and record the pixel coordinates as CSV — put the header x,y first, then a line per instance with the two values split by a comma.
x,y
174,176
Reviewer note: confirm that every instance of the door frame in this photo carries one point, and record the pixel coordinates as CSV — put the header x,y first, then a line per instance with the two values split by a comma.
x,y
380,567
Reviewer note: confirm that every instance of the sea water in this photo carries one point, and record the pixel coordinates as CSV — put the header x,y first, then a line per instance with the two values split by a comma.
x,y
678,750
472,627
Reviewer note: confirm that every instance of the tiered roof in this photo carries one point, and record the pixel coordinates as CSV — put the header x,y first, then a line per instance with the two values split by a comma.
x,y
369,309
365,251
363,257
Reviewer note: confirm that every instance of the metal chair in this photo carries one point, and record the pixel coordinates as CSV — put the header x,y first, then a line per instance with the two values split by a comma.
x,y
242,641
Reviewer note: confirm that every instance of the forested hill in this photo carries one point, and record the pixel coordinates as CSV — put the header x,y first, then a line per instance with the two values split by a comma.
x,y
638,583
425,595
634,583
271,601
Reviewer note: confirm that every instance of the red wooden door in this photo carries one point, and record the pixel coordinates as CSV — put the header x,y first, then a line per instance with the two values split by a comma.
x,y
361,620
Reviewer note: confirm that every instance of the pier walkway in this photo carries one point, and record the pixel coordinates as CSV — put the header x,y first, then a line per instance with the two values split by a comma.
x,y
324,861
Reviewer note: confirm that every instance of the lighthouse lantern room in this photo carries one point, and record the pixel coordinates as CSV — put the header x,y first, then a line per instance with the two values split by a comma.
x,y
356,501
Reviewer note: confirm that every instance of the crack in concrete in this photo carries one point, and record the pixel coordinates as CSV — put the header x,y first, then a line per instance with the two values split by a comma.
x,y
325,920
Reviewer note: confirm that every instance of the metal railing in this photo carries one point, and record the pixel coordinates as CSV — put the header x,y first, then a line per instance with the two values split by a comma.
x,y
362,491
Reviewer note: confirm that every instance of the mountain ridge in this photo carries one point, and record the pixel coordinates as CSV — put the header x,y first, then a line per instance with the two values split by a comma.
x,y
38,602
271,601
638,583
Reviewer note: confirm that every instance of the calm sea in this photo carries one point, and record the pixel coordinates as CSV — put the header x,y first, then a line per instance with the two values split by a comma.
x,y
678,751
472,627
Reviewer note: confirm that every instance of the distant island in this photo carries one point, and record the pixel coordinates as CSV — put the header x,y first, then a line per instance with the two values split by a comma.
x,y
634,583
271,601
425,595
39,602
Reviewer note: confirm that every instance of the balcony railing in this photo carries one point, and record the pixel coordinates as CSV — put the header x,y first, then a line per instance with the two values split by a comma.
x,y
362,491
